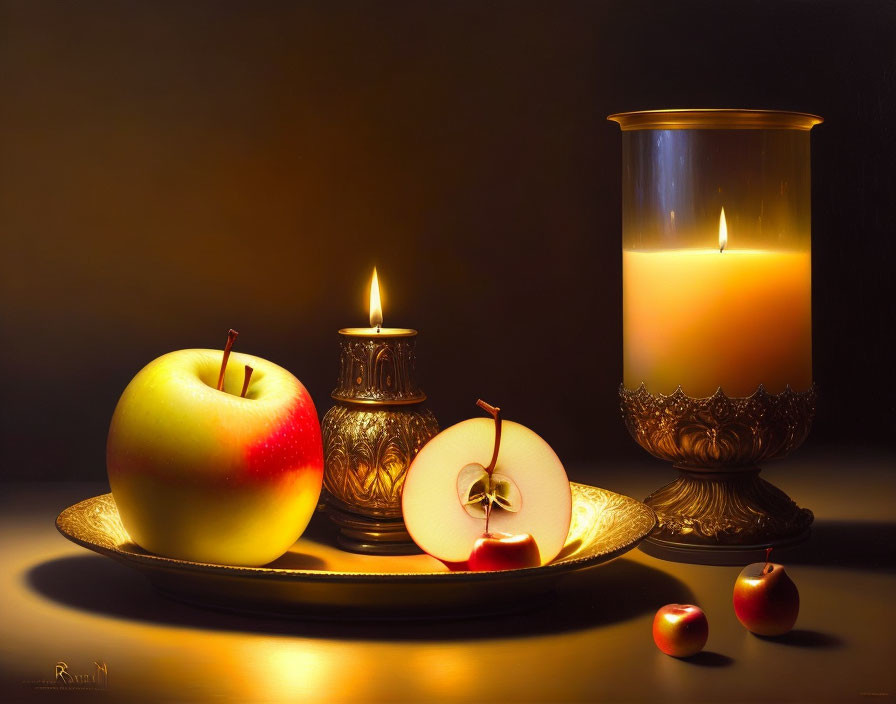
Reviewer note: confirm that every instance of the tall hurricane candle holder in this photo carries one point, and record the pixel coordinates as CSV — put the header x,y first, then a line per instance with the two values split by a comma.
x,y
717,319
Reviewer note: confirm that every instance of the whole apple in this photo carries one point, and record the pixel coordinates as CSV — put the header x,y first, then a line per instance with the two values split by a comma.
x,y
680,630
208,475
502,551
766,600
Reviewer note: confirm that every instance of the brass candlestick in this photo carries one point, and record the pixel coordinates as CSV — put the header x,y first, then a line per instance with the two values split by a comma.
x,y
370,437
718,502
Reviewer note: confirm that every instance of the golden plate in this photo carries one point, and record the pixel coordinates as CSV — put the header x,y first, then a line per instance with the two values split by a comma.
x,y
315,579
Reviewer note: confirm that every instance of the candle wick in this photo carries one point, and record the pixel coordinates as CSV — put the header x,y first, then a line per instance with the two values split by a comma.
x,y
378,328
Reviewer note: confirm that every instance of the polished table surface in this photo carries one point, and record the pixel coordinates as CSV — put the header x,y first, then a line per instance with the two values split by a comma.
x,y
591,643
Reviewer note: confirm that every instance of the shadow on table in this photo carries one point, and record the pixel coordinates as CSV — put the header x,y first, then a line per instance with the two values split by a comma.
x,y
709,658
802,638
869,545
618,591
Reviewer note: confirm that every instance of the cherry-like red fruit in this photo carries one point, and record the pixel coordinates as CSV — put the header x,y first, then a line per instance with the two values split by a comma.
x,y
502,551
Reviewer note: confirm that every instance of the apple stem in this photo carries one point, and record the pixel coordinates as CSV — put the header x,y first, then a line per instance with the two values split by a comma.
x,y
248,376
495,412
231,338
767,568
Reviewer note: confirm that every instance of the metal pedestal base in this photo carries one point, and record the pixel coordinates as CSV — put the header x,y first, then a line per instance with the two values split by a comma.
x,y
723,517
371,536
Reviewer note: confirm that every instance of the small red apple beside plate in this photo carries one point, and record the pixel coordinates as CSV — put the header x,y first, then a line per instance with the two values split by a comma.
x,y
766,601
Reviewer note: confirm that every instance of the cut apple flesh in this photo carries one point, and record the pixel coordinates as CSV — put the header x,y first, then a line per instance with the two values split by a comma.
x,y
528,473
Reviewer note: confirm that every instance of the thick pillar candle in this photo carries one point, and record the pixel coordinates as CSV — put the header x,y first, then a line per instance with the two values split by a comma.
x,y
703,319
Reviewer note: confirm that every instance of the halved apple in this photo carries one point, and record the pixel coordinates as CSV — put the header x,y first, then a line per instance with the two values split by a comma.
x,y
530,490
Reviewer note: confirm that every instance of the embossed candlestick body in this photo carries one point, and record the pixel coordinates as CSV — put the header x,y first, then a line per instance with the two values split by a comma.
x,y
717,319
370,436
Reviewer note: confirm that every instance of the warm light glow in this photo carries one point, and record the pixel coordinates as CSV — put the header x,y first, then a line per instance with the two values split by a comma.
x,y
376,308
723,233
281,669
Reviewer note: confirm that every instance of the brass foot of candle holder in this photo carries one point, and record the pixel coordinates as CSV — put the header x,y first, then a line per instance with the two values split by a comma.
x,y
719,510
357,533
370,437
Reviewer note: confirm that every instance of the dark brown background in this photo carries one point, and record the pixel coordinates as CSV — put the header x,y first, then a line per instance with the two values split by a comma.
x,y
169,170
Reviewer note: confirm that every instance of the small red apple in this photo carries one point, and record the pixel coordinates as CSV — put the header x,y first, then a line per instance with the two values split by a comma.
x,y
680,630
766,600
502,551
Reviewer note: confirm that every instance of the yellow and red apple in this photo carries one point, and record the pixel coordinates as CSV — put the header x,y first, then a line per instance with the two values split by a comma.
x,y
512,513
208,475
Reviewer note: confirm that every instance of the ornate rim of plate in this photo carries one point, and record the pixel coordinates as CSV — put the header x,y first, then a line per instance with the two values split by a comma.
x,y
604,526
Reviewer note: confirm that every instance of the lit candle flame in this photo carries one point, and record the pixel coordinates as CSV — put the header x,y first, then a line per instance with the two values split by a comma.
x,y
723,232
376,308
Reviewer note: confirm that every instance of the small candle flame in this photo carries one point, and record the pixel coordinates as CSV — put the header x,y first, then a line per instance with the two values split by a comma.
x,y
723,232
376,308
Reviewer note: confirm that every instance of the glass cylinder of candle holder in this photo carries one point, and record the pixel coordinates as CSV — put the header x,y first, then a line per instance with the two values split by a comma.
x,y
717,332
